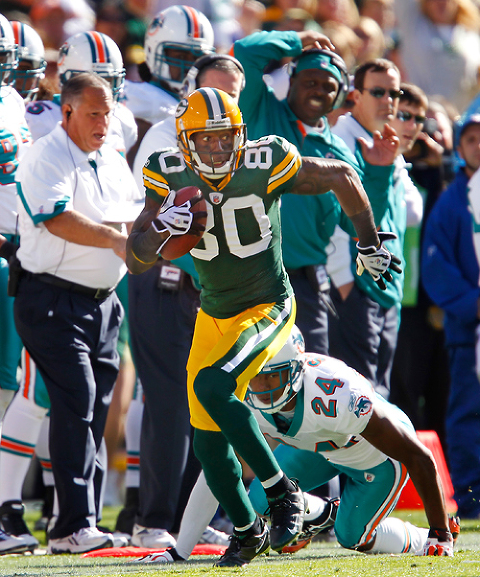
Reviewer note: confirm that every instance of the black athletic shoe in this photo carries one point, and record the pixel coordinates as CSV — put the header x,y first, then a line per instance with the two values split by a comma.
x,y
286,517
241,551
315,526
11,518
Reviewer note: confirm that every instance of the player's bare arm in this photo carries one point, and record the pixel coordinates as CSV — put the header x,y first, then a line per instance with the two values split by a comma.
x,y
397,442
144,242
74,227
320,175
155,225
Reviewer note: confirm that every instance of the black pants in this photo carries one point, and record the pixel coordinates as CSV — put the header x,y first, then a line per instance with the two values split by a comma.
x,y
73,340
161,331
364,336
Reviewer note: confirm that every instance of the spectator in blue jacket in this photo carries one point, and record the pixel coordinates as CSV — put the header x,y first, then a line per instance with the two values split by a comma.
x,y
450,274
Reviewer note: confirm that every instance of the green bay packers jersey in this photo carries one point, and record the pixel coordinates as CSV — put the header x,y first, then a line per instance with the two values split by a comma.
x,y
238,259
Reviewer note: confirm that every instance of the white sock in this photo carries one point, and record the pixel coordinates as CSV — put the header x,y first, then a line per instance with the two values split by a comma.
x,y
6,396
200,509
315,506
395,536
133,424
20,431
273,480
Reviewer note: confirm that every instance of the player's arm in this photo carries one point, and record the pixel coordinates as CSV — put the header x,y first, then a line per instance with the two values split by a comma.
x,y
396,441
320,175
75,227
144,241
155,225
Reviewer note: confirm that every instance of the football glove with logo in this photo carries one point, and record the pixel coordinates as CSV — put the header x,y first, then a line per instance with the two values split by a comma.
x,y
176,219
377,260
440,542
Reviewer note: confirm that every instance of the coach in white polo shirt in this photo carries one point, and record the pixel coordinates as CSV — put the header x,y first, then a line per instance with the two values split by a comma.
x,y
66,311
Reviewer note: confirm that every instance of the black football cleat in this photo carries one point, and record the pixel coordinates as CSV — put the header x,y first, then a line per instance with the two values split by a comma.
x,y
286,518
241,551
312,528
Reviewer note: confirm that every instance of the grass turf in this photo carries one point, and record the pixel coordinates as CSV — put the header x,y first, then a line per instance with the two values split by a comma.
x,y
320,559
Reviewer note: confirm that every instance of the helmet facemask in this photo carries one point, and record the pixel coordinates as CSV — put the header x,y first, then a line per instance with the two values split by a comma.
x,y
27,79
290,374
164,61
288,364
209,170
8,65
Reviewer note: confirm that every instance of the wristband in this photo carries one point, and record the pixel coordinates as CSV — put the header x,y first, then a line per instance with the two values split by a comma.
x,y
442,535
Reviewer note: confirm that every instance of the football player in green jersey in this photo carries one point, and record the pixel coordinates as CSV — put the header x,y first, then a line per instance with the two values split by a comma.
x,y
248,308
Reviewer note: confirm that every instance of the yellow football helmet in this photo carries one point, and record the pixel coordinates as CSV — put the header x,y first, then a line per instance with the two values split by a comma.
x,y
210,109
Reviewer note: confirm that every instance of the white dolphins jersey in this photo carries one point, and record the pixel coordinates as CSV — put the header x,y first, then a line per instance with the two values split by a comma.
x,y
148,102
15,139
43,115
333,408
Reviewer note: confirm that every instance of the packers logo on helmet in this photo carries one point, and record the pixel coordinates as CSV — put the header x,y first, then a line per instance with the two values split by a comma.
x,y
205,110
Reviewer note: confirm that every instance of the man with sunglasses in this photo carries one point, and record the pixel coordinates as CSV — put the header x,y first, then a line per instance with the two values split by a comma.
x,y
318,83
364,334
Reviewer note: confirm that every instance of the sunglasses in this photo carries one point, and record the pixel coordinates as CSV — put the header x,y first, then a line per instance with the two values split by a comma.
x,y
380,92
405,116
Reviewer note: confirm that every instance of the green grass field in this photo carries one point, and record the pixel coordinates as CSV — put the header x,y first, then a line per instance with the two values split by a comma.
x,y
320,559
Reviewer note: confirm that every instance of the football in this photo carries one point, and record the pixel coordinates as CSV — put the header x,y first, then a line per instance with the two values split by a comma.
x,y
177,246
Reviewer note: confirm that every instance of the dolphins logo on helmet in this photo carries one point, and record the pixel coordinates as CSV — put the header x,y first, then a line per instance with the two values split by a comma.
x,y
288,364
210,109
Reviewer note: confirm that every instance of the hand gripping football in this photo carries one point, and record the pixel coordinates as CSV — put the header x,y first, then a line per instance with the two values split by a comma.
x,y
179,245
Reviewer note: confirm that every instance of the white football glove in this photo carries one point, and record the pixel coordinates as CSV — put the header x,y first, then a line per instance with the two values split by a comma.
x,y
440,546
176,219
377,260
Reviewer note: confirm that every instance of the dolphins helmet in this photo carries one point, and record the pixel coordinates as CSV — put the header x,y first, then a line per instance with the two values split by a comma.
x,y
92,52
180,28
31,60
8,53
289,359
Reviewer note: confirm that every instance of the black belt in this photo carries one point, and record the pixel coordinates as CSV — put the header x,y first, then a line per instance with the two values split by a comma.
x,y
93,293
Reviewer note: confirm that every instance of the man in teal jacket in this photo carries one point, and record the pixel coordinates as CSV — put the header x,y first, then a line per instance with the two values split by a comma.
x,y
318,84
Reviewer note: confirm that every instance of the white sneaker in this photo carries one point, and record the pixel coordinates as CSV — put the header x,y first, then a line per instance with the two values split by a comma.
x,y
164,557
151,538
212,536
86,539
12,544
120,539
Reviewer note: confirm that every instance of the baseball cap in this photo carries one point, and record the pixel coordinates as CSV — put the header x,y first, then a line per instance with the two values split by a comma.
x,y
473,119
317,60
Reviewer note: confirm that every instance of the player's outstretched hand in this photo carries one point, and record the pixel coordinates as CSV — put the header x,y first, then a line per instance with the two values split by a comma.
x,y
178,220
377,260
439,543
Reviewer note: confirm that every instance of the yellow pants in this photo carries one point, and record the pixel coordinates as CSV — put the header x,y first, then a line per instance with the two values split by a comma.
x,y
239,345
